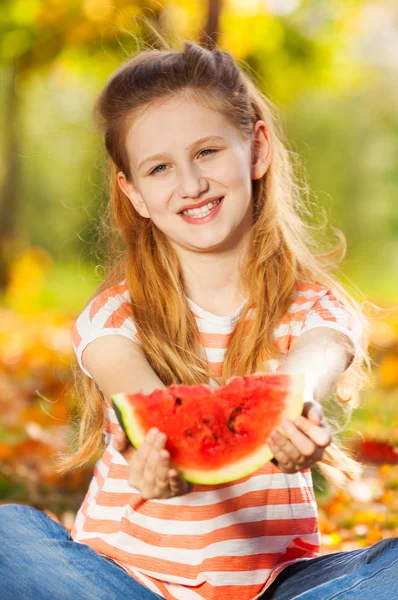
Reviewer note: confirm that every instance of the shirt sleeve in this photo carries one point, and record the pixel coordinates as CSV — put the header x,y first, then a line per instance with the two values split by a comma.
x,y
331,311
108,313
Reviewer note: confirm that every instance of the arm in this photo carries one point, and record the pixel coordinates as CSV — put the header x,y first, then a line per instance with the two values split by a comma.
x,y
322,354
117,364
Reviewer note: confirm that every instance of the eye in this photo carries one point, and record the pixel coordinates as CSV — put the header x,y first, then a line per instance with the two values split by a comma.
x,y
156,171
211,150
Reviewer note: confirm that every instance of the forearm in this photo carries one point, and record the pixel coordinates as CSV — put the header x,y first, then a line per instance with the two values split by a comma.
x,y
322,354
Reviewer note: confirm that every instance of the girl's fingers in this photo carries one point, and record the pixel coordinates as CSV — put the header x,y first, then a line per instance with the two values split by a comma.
x,y
320,434
162,472
142,454
286,446
152,461
281,456
178,485
175,482
304,444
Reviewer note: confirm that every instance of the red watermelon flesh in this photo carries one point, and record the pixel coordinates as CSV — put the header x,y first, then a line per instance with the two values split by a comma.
x,y
214,435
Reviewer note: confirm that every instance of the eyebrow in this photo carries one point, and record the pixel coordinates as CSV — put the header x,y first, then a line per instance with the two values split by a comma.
x,y
196,143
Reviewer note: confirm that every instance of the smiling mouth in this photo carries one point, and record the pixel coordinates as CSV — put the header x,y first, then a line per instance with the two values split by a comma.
x,y
203,211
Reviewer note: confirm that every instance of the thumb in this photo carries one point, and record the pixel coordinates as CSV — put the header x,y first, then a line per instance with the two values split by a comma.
x,y
313,411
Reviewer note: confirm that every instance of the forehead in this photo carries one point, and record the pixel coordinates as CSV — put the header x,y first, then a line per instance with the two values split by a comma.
x,y
173,124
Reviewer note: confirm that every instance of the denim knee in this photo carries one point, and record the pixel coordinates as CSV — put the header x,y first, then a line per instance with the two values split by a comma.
x,y
379,547
20,519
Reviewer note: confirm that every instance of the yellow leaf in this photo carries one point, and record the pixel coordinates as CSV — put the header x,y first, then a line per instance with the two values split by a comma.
x,y
388,371
373,536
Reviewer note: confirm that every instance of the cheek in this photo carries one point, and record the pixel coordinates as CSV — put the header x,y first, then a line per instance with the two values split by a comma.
x,y
156,193
235,172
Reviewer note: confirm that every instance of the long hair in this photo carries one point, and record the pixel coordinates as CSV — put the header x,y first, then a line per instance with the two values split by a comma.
x,y
282,246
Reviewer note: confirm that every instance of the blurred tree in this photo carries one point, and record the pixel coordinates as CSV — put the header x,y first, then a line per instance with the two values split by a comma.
x,y
210,35
309,56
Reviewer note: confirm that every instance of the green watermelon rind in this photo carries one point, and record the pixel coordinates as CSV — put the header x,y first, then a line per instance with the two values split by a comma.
x,y
136,434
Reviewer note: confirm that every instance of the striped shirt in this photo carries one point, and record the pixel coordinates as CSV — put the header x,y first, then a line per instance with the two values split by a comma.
x,y
218,541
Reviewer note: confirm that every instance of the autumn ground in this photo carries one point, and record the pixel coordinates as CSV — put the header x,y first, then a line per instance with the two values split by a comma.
x,y
36,402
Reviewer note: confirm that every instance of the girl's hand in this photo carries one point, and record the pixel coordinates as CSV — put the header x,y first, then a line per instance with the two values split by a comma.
x,y
150,469
307,438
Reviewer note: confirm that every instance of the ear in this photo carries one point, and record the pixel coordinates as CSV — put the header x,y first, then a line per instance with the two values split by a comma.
x,y
133,195
261,150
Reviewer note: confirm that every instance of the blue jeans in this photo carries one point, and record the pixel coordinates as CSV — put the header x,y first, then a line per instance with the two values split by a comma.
x,y
40,561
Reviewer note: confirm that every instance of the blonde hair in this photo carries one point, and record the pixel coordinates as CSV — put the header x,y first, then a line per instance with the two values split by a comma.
x,y
281,249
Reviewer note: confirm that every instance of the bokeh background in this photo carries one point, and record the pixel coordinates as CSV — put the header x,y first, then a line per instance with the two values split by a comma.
x,y
331,69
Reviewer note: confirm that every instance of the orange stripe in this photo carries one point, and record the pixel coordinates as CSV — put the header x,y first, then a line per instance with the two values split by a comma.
x,y
102,298
107,458
300,315
226,564
215,368
199,513
324,313
238,531
76,337
303,300
247,592
304,286
215,340
122,472
284,342
161,587
117,318
113,428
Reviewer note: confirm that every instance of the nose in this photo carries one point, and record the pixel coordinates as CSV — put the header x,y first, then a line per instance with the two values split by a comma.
x,y
190,182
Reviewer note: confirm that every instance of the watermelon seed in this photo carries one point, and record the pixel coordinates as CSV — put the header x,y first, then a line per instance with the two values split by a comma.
x,y
234,413
215,436
178,401
188,432
206,420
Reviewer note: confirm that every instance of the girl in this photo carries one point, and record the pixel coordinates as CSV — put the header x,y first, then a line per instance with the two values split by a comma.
x,y
217,276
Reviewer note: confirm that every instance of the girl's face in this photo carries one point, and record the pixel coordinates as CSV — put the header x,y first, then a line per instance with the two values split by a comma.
x,y
182,153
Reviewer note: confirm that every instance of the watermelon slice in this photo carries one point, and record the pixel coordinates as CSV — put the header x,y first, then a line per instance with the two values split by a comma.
x,y
214,435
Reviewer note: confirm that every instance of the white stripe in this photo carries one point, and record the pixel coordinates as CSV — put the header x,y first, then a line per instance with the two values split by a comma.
x,y
215,578
102,468
146,582
308,293
210,327
182,593
294,308
141,577
262,514
292,328
234,547
79,522
243,578
275,481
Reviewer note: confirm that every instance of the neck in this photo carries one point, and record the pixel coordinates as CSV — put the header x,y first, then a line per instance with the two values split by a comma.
x,y
212,280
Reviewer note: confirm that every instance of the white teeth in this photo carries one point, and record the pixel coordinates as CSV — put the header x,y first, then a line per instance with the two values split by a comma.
x,y
197,213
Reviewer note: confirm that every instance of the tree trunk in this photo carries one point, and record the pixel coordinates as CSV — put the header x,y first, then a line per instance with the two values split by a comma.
x,y
210,36
9,186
